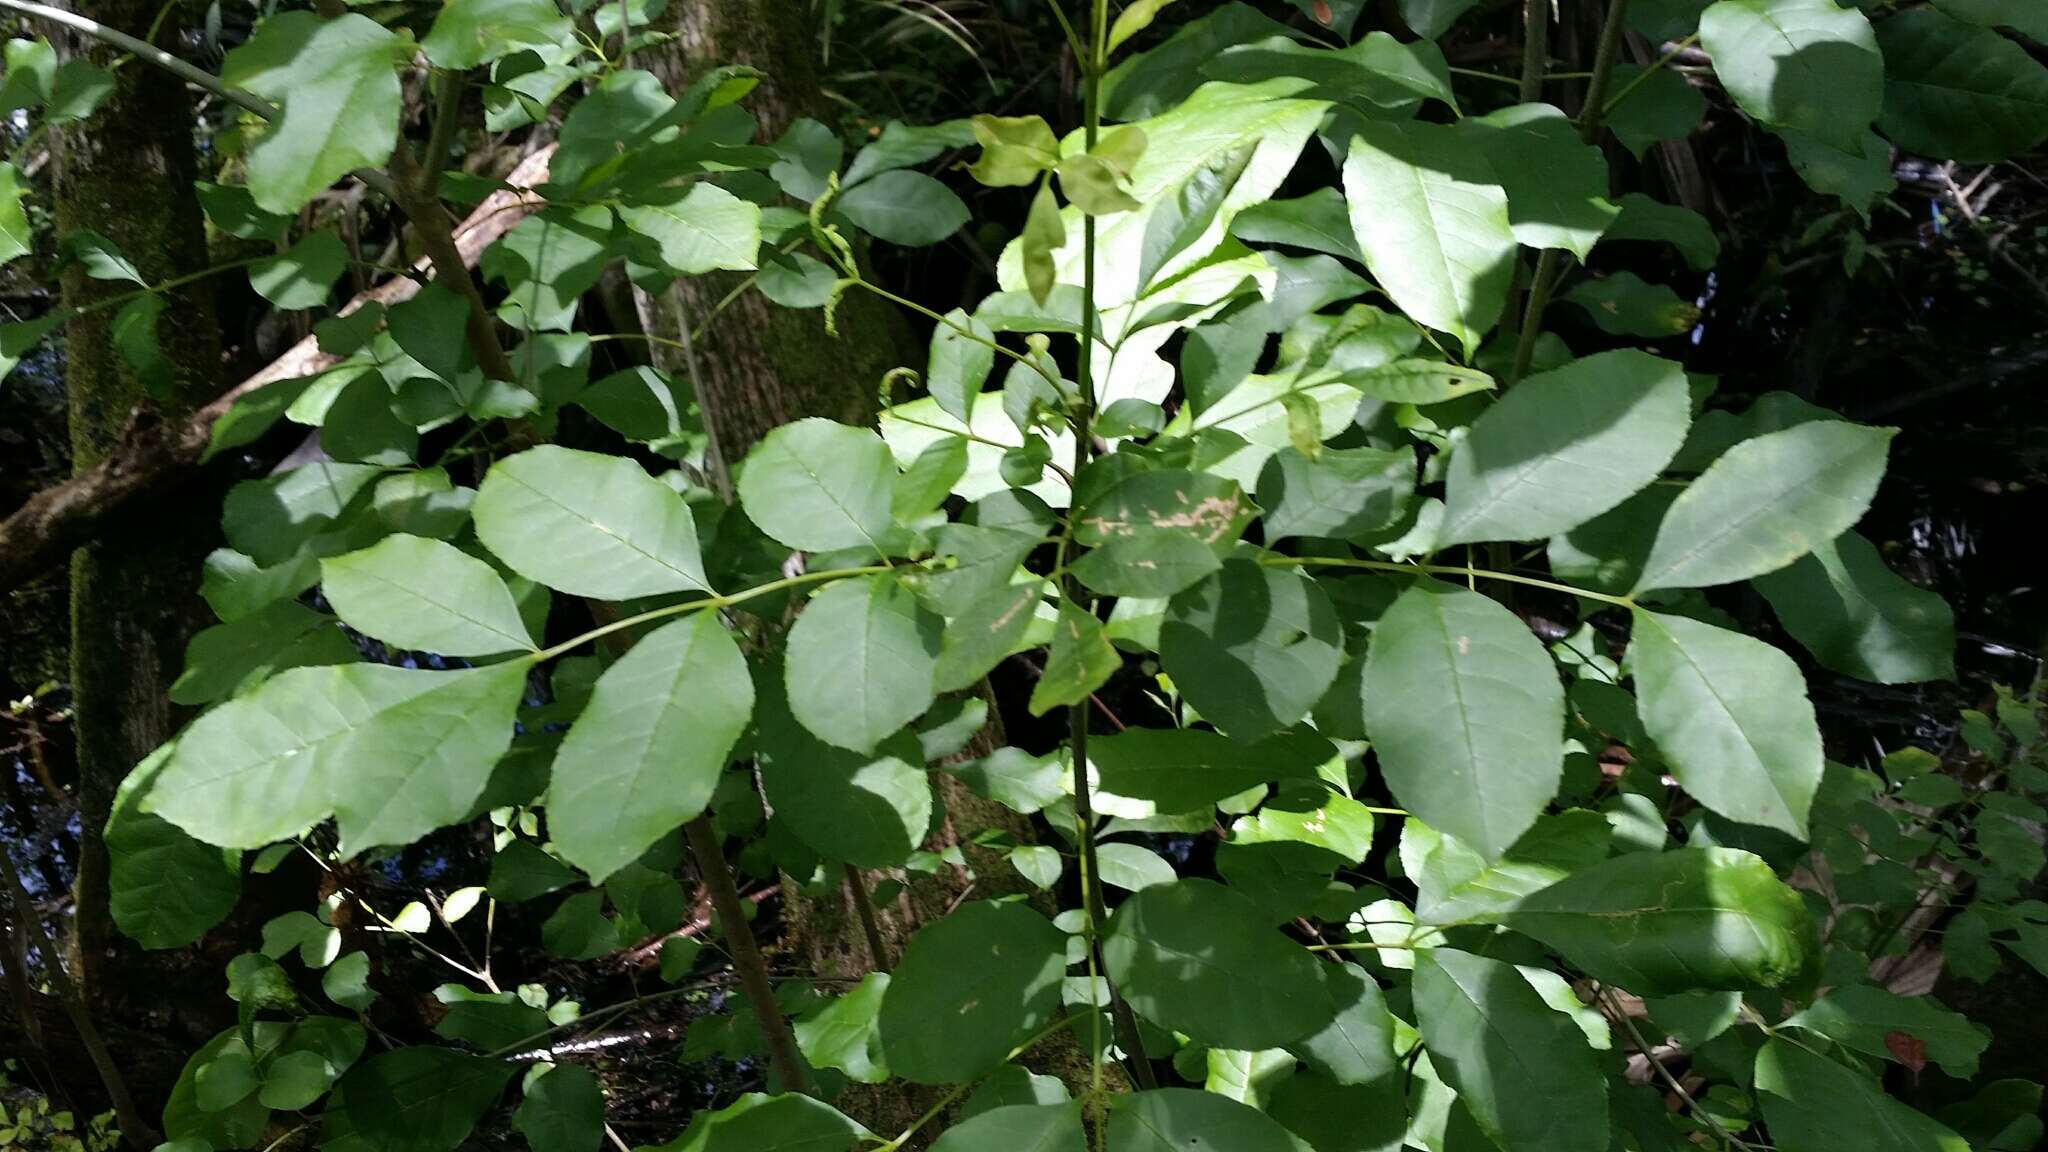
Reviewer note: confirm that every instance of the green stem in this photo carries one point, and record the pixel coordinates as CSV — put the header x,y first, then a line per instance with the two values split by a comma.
x,y
1643,77
1021,358
725,601
1611,32
759,991
1535,48
150,52
1549,270
1443,570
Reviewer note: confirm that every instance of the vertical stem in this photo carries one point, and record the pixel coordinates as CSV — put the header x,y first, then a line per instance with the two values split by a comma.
x,y
1550,266
135,1127
864,908
746,955
1084,415
1535,48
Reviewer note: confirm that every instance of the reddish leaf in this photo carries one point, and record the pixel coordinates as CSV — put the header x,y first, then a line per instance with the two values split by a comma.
x,y
1907,1049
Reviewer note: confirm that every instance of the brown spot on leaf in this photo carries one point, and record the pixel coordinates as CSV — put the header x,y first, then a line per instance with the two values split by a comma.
x,y
1907,1049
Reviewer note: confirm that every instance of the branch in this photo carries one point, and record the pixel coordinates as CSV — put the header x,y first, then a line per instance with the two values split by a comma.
x,y
153,454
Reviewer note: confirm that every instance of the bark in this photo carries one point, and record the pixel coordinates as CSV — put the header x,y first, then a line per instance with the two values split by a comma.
x,y
127,173
760,365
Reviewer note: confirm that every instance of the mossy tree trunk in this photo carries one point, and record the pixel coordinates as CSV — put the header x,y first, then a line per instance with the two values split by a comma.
x,y
127,173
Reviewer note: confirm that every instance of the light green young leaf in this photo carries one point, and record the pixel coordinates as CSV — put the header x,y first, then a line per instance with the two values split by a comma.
x,y
425,596
588,524
1666,923
1015,150
1860,618
392,753
1813,1104
1433,224
467,33
818,486
1132,867
1521,1068
1807,65
970,987
1199,958
1959,92
1044,235
860,662
1135,18
646,754
1465,712
1184,1120
701,229
1731,715
758,1123
1765,503
1565,446
1038,864
337,81
1252,648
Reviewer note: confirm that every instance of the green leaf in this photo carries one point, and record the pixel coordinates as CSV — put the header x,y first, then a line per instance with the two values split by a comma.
x,y
843,1034
563,1109
1860,618
1044,234
1624,304
758,1123
1161,531
392,753
134,335
810,154
1664,107
1433,223
578,930
1131,867
1521,1068
1958,92
1014,778
1038,864
1813,1104
15,238
870,812
282,634
1645,218
1806,65
588,524
1199,958
1765,503
903,207
797,281
238,1126
818,486
77,90
432,329
468,33
1666,923
1565,446
271,519
233,210
486,1020
1464,709
1081,659
425,596
1246,1077
1341,493
981,635
418,1099
1418,382
337,81
1177,225
1015,150
959,363
1454,883
901,145
1185,769
1318,222
1336,1117
1356,1044
1731,715
347,982
1432,18
1859,173
520,871
1184,1120
2019,14
1556,183
647,751
1865,1017
1021,1127
639,403
699,230
860,662
970,987
31,69
304,276
165,888
1252,648
99,257
550,259
361,425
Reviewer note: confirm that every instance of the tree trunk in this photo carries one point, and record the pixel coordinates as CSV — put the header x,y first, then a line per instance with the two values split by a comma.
x,y
127,173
